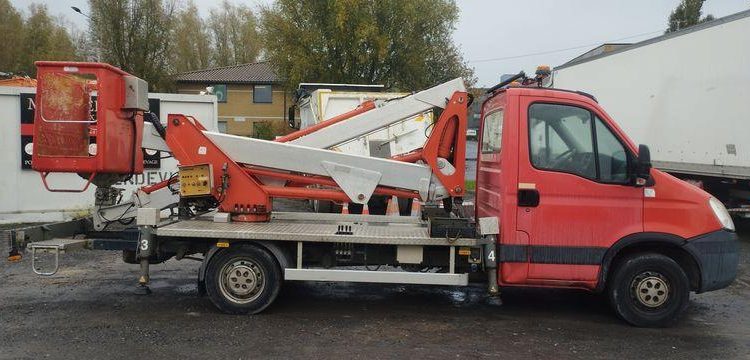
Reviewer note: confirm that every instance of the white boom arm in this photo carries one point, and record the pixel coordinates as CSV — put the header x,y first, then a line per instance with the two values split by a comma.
x,y
390,113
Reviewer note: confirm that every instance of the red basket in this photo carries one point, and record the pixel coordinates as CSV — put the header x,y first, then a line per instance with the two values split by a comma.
x,y
80,123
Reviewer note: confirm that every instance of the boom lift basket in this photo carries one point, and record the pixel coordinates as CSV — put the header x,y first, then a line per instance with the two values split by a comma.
x,y
78,129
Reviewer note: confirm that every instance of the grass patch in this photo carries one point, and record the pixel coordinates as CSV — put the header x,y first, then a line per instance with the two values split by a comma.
x,y
471,185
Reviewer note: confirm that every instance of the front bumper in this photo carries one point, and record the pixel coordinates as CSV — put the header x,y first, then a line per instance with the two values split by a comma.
x,y
718,255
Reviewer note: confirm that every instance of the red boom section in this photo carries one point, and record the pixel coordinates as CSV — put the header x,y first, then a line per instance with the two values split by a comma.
x,y
238,190
235,190
235,187
447,141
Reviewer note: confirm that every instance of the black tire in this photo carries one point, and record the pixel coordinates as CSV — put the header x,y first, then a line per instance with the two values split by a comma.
x,y
255,286
649,290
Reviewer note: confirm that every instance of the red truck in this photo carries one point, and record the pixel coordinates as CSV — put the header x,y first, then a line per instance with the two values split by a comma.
x,y
580,206
563,199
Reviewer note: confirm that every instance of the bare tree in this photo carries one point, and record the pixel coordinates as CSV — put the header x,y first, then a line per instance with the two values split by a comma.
x,y
11,26
38,37
191,41
134,35
234,32
44,38
404,45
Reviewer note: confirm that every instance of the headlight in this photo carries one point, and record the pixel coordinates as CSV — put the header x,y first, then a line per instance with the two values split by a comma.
x,y
721,213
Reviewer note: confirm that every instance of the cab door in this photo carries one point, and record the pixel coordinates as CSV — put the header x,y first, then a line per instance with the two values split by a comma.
x,y
497,175
574,194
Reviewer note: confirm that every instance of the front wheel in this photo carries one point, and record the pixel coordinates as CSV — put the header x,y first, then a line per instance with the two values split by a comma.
x,y
242,279
649,290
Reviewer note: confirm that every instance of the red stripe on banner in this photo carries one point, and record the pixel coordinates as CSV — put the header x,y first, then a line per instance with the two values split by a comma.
x,y
27,129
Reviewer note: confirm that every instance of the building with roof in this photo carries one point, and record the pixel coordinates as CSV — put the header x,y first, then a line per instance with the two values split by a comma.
x,y
252,100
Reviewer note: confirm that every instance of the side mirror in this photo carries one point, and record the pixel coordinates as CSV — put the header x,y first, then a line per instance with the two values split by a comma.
x,y
642,173
290,117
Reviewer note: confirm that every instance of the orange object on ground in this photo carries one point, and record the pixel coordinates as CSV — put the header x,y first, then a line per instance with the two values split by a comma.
x,y
392,208
15,258
416,208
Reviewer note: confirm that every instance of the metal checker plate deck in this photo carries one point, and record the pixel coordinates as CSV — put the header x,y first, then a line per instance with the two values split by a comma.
x,y
308,229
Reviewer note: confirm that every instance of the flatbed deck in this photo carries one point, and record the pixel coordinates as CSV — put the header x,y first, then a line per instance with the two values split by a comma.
x,y
313,227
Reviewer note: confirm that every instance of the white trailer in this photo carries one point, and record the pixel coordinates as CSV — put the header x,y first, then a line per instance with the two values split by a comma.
x,y
684,94
25,203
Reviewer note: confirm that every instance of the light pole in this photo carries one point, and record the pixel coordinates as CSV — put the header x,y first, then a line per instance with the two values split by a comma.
x,y
78,10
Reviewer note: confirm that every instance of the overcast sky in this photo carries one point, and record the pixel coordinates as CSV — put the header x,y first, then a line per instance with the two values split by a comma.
x,y
504,36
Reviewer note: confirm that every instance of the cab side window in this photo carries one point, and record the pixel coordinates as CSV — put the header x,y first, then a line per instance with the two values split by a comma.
x,y
613,160
492,132
573,140
561,139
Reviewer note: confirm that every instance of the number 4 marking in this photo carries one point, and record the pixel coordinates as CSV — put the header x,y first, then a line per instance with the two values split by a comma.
x,y
491,255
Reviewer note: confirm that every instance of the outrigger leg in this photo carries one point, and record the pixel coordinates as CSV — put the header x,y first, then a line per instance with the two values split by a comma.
x,y
490,263
145,243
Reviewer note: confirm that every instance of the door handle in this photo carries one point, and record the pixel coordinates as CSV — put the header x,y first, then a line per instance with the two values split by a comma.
x,y
528,197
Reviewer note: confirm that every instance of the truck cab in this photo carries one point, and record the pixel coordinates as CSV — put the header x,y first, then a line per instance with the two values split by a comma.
x,y
579,205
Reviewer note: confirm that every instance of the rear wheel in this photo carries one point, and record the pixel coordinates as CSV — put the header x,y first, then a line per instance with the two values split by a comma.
x,y
242,280
649,290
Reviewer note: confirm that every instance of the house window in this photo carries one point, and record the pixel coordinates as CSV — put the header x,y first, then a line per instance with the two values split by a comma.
x,y
220,90
222,127
262,94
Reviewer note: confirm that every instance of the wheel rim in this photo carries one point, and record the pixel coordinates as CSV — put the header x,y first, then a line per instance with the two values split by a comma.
x,y
650,289
242,281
